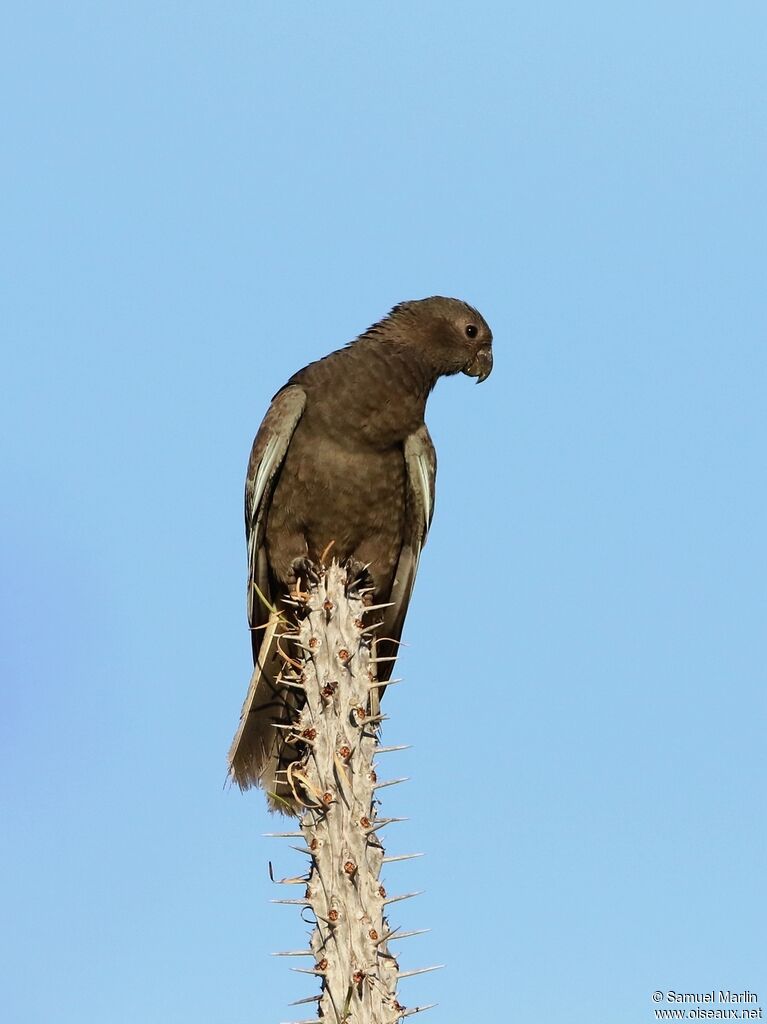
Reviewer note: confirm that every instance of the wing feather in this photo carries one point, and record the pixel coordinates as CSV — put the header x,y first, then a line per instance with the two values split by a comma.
x,y
266,458
250,755
421,470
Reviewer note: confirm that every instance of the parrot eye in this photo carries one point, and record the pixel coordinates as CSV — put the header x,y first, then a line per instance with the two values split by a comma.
x,y
472,330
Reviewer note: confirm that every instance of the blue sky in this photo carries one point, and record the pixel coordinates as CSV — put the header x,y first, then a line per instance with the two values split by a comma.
x,y
197,200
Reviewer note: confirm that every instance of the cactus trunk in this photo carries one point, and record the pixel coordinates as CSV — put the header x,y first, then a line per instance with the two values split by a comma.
x,y
335,783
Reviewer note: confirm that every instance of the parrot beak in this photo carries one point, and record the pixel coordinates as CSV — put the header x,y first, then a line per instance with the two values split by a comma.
x,y
481,365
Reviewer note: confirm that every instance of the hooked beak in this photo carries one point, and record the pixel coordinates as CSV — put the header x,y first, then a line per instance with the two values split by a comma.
x,y
481,365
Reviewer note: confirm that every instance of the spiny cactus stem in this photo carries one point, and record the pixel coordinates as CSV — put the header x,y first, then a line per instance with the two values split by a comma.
x,y
337,785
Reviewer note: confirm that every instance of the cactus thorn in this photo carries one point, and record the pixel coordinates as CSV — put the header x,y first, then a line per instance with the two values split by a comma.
x,y
387,683
404,896
372,719
416,1009
391,782
419,970
382,823
398,934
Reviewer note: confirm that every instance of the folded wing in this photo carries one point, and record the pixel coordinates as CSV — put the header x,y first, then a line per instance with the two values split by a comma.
x,y
266,702
421,466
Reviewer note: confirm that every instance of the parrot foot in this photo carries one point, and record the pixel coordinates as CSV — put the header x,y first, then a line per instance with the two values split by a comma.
x,y
358,576
302,571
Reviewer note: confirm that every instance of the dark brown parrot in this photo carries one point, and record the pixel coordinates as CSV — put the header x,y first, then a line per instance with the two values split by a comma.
x,y
343,457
